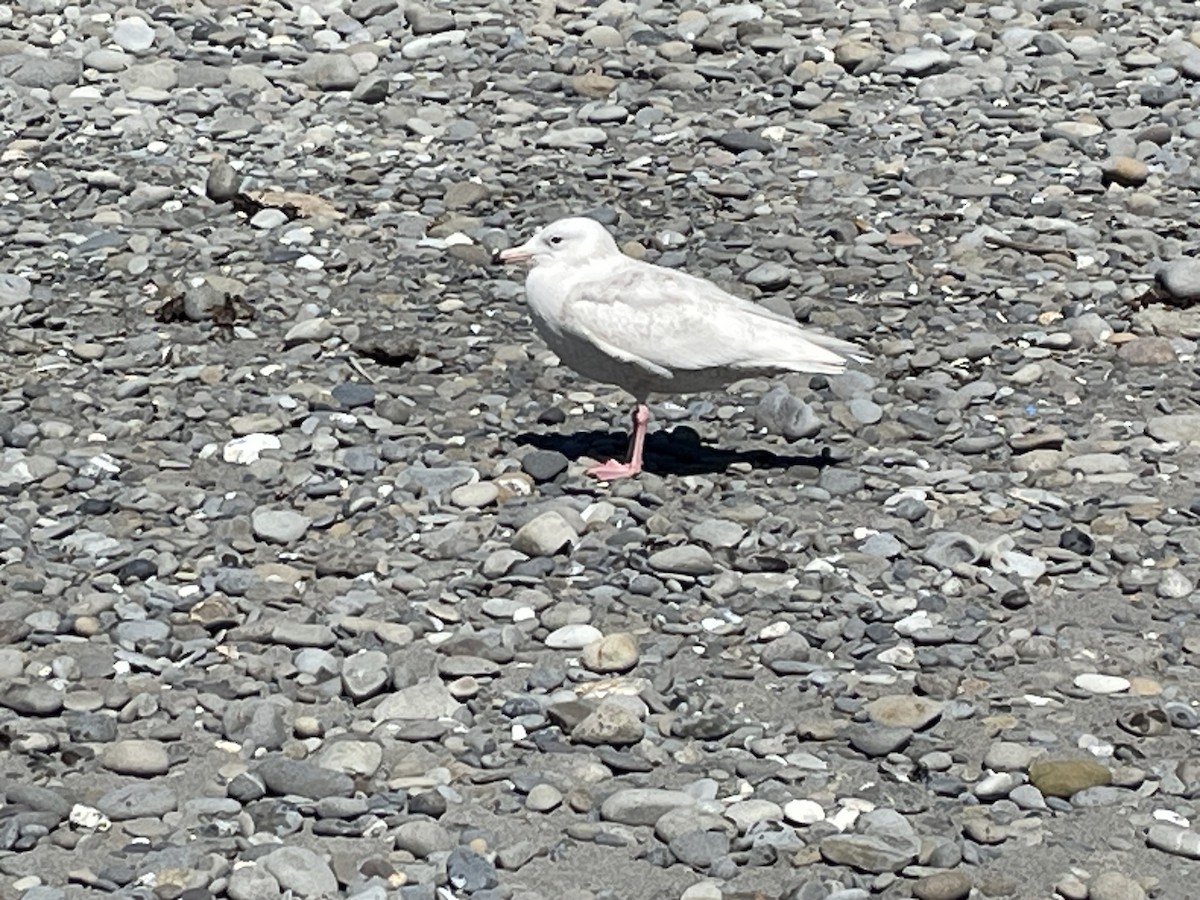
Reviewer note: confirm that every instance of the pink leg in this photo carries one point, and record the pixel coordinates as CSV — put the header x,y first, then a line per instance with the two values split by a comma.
x,y
612,470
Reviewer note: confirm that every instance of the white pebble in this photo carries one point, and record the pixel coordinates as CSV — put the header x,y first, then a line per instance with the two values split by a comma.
x,y
803,812
1095,683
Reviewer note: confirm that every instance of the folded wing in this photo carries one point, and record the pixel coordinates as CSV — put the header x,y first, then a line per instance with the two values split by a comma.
x,y
667,322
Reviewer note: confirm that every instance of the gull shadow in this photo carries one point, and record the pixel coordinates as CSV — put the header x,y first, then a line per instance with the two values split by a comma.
x,y
676,452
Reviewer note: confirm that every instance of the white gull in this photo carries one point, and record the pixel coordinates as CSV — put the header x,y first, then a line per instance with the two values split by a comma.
x,y
652,330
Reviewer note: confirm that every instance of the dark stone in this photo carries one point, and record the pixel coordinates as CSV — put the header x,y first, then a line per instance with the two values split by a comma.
x,y
137,570
737,140
469,871
544,465
352,393
1077,541
427,803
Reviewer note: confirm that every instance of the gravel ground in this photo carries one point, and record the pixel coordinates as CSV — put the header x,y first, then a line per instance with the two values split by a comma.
x,y
303,592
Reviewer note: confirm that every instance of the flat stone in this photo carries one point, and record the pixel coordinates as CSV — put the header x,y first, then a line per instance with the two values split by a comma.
x,y
1066,777
280,526
643,806
803,812
1148,351
544,535
685,559
31,699
612,653
1181,278
954,885
139,800
1174,840
904,711
782,413
575,636
1095,683
1115,886
301,871
137,757
699,849
133,34
428,699
470,872
252,882
1183,428
302,778
423,838
610,723
868,853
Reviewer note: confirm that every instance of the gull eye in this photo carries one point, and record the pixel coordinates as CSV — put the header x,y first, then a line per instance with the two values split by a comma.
x,y
556,240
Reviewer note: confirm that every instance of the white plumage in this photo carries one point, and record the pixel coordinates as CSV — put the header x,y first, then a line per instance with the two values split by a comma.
x,y
649,329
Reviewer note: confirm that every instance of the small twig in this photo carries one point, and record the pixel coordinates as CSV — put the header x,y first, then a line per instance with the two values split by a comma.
x,y
354,364
1024,247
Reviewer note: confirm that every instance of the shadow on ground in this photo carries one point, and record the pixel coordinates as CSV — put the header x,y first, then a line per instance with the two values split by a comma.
x,y
676,452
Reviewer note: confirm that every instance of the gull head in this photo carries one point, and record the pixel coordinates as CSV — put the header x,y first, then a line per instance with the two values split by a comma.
x,y
573,241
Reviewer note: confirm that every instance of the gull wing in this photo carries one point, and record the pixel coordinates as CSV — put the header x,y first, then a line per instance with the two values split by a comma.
x,y
666,321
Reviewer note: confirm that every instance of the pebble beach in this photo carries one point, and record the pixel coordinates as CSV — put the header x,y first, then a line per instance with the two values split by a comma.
x,y
304,593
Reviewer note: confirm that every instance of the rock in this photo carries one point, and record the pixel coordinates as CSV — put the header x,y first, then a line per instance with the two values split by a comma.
x,y
469,871
1180,278
31,699
781,413
423,838
1183,428
747,813
1126,171
302,778
464,195
1010,756
42,72
14,289
919,61
769,276
868,853
252,882
877,740
137,757
428,699
803,812
543,798
851,54
685,559
139,800
954,885
280,526
904,711
611,723
948,549
1148,351
544,535
575,636
643,806
1066,777
432,45
580,137
1094,683
133,34
699,849
1175,840
301,871
423,20
593,85
612,653
1115,886
365,674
